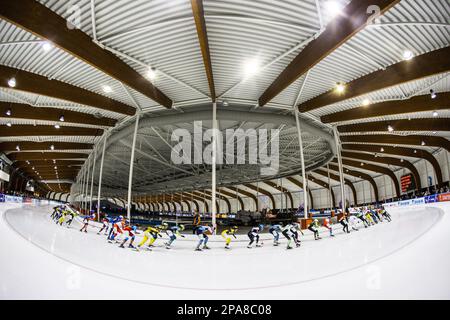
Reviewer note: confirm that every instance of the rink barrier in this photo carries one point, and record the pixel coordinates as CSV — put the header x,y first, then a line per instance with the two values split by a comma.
x,y
433,198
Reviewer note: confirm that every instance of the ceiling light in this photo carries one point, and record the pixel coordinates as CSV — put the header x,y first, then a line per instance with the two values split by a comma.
x,y
333,8
362,164
107,89
423,143
366,102
433,94
151,74
340,88
415,151
57,126
8,124
8,112
47,46
55,167
435,113
61,118
390,128
32,168
12,82
434,132
17,148
225,103
401,160
382,149
251,67
407,55
52,147
28,162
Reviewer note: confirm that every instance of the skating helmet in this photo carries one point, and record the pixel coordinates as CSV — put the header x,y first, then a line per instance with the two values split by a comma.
x,y
234,228
120,217
261,227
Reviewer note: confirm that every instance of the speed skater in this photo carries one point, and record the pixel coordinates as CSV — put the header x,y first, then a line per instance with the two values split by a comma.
x,y
202,233
327,224
275,230
314,227
343,220
173,232
254,234
131,235
152,233
227,233
105,225
86,220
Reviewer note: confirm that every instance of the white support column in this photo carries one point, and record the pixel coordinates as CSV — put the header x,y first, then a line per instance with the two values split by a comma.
x,y
92,181
87,186
130,177
101,177
213,167
329,188
302,160
341,172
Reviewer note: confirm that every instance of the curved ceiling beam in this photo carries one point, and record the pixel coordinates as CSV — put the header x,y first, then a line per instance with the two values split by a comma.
x,y
335,177
23,156
374,168
193,196
353,18
33,83
36,18
414,140
326,186
200,24
386,160
30,130
401,151
281,189
358,174
232,196
208,196
393,107
245,193
300,185
47,163
422,66
262,191
24,111
426,124
28,146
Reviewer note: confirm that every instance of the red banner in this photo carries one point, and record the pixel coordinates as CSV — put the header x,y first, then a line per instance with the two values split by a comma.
x,y
444,197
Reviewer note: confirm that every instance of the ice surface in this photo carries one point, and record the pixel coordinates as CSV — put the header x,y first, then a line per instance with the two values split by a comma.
x,y
407,258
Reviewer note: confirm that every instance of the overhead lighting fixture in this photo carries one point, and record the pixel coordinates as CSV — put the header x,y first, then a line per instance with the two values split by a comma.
x,y
407,55
340,88
225,103
390,128
333,8
401,160
47,46
107,89
151,74
382,149
57,126
433,94
8,112
251,67
18,148
28,162
415,151
61,118
32,168
362,164
435,113
52,147
8,124
434,132
366,102
55,167
423,143
12,82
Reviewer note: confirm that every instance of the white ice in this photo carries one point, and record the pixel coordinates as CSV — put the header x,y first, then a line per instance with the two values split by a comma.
x,y
408,258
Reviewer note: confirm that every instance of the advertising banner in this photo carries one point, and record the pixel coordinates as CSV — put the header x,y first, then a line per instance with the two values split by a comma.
x,y
2,197
431,199
444,197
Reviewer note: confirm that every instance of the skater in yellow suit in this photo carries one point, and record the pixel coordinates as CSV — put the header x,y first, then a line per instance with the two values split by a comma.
x,y
227,233
151,233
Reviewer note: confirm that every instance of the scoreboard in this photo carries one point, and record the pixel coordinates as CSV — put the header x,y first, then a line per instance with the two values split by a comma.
x,y
407,183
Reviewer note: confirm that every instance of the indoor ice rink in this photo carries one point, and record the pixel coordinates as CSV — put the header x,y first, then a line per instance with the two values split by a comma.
x,y
224,149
